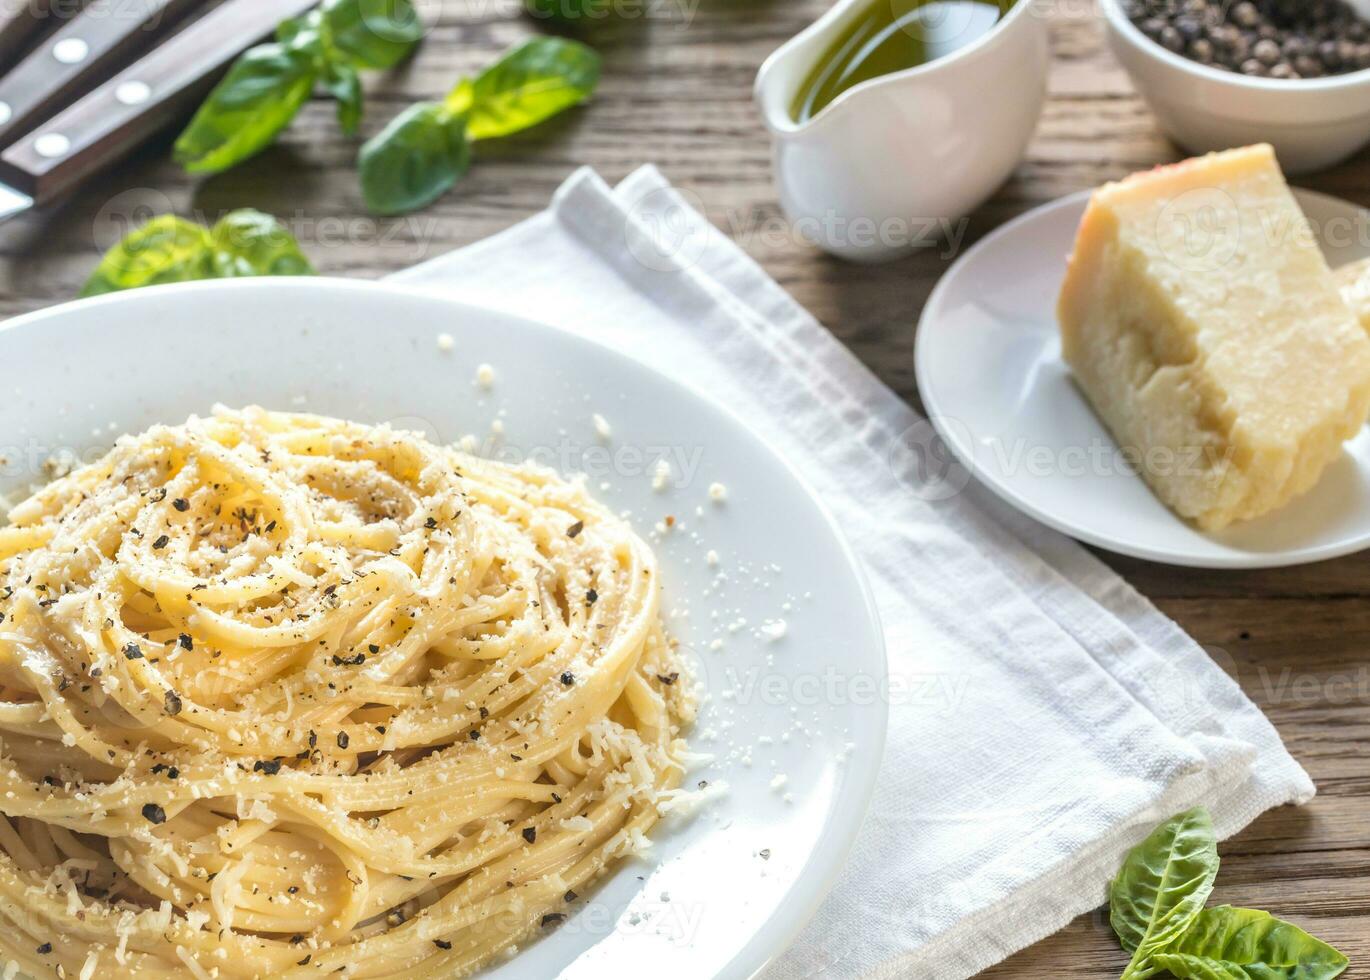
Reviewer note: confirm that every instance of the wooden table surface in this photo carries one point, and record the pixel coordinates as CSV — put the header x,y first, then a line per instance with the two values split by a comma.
x,y
677,93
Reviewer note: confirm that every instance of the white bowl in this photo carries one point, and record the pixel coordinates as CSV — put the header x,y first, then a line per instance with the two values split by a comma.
x,y
1313,123
893,161
728,889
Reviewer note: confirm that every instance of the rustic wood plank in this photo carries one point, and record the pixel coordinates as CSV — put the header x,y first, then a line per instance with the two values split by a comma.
x,y
677,93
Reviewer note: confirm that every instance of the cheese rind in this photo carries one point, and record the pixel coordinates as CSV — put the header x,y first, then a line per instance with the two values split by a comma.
x,y
1202,322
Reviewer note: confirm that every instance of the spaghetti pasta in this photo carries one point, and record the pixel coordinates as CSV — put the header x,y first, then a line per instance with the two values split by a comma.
x,y
283,695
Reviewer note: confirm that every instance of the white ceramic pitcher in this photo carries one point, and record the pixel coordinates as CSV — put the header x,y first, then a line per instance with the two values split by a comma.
x,y
871,175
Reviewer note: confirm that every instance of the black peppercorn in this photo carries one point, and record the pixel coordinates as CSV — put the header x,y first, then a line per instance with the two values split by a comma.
x,y
1282,39
1190,29
1224,35
1307,66
1267,52
1245,14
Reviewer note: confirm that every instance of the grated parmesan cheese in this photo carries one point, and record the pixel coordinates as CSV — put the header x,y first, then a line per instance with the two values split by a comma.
x,y
684,802
661,475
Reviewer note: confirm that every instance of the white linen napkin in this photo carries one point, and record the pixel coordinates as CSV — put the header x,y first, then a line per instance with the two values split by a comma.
x,y
1075,715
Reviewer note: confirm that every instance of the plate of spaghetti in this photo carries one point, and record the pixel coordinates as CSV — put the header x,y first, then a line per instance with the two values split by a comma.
x,y
347,629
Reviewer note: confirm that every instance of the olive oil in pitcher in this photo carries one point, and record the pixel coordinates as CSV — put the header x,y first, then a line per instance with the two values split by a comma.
x,y
890,36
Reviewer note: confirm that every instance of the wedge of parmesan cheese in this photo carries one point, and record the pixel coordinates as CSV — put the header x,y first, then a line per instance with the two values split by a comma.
x,y
1354,282
1202,322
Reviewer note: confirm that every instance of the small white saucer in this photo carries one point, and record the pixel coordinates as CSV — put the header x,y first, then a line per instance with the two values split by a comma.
x,y
990,373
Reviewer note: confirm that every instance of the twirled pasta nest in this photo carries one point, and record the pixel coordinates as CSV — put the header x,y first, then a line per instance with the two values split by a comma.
x,y
283,695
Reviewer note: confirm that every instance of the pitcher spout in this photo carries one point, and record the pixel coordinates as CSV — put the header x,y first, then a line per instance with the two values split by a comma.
x,y
781,75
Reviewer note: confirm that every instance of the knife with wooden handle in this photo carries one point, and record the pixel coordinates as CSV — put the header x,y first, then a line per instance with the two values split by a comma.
x,y
83,52
111,121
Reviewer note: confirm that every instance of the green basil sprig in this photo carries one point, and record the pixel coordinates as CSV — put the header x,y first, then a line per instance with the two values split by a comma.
x,y
1162,887
172,249
427,148
1156,906
1227,943
266,87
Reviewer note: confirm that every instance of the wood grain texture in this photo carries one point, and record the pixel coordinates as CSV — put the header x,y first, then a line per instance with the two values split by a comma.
x,y
677,93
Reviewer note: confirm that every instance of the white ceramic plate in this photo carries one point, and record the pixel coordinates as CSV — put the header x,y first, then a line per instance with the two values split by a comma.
x,y
710,904
990,373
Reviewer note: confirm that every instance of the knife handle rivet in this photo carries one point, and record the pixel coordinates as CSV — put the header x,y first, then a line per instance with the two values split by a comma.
x,y
51,145
133,93
70,50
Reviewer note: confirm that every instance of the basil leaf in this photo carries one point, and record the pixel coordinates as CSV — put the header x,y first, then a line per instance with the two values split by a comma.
x,y
345,84
1162,887
460,99
414,160
250,243
531,83
302,31
171,249
258,98
1227,943
373,33
166,249
427,148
